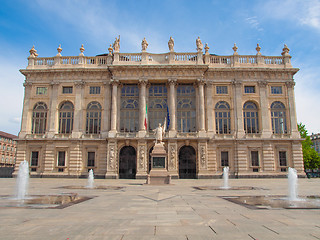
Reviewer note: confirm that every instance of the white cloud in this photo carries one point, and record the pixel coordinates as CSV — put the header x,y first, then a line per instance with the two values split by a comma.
x,y
254,23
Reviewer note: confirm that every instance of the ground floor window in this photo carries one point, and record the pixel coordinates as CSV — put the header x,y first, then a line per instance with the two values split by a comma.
x,y
224,159
61,160
91,158
283,161
34,160
255,161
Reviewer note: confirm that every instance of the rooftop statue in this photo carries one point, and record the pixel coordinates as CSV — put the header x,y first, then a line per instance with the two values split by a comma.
x,y
199,45
171,44
144,44
116,45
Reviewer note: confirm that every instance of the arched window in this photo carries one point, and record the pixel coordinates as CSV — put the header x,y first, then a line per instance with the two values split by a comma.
x,y
186,108
278,118
39,118
157,107
129,109
66,117
93,123
223,120
250,117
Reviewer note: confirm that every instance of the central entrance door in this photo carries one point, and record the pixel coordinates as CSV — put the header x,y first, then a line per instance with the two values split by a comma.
x,y
127,163
187,162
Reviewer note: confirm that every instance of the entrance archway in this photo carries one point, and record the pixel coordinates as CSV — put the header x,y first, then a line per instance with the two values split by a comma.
x,y
127,163
187,162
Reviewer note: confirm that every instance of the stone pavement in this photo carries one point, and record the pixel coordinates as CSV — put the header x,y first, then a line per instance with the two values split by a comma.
x,y
176,211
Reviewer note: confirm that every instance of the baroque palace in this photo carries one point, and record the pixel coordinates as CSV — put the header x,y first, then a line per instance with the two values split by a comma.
x,y
99,113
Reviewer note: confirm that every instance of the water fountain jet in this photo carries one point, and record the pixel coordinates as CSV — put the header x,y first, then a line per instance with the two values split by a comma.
x,y
22,181
292,184
90,179
225,178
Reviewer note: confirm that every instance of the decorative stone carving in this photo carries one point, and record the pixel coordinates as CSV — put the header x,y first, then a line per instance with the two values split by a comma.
x,y
79,84
111,158
143,81
290,84
172,82
235,48
237,83
200,81
59,49
110,49
206,48
114,82
172,157
33,52
203,156
81,50
258,48
199,44
263,84
285,50
171,44
142,157
116,45
144,45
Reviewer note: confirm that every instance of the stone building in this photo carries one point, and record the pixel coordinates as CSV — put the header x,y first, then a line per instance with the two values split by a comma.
x,y
8,147
83,113
315,138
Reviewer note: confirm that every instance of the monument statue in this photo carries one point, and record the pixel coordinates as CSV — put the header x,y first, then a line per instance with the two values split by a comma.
x,y
116,45
159,131
144,44
199,44
171,44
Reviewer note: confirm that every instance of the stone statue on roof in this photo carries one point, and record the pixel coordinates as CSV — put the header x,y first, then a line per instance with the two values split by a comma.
x,y
171,44
116,45
144,44
199,45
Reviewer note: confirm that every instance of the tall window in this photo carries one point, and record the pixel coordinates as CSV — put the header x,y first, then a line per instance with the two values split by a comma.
x,y
39,118
224,159
283,160
66,118
129,111
93,123
91,157
278,118
186,108
61,160
223,120
34,160
157,107
250,117
276,90
222,89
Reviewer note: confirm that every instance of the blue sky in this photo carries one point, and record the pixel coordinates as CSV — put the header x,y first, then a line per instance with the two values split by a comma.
x,y
47,23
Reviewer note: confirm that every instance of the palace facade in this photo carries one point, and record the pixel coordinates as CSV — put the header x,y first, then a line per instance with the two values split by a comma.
x,y
83,113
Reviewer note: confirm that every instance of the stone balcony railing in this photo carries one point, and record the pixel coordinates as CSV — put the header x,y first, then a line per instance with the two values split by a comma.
x,y
171,58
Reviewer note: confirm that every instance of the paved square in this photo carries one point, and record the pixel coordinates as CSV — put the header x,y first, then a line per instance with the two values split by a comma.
x,y
176,211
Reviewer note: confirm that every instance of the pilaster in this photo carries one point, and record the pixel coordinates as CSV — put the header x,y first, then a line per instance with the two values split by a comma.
x,y
106,111
265,115
201,105
203,171
112,160
237,98
114,107
78,110
172,107
142,160
173,159
292,110
142,106
26,115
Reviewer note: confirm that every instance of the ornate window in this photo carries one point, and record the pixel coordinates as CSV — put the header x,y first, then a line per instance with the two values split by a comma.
x,y
66,117
278,118
186,108
157,107
93,124
250,117
223,120
129,110
39,118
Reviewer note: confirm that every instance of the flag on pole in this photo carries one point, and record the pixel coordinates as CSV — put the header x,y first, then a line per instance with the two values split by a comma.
x,y
168,118
145,120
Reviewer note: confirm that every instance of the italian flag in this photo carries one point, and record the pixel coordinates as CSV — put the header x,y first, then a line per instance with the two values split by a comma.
x,y
145,120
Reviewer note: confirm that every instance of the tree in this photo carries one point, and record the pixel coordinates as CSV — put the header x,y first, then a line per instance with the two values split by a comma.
x,y
311,158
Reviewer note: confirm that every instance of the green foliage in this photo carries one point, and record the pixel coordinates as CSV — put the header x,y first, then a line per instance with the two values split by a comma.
x,y
311,158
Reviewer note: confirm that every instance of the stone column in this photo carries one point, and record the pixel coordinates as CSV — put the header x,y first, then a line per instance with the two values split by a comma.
x,y
52,116
78,110
201,105
26,118
265,115
114,107
237,99
106,111
292,110
142,106
172,106
210,110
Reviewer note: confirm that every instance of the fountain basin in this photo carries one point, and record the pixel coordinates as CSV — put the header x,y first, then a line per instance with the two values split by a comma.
x,y
93,188
229,188
275,202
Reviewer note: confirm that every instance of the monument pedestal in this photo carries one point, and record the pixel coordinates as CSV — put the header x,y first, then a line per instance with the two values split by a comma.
x,y
159,174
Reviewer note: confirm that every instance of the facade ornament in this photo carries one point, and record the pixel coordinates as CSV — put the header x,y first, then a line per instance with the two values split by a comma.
x,y
143,81
237,83
111,157
203,156
59,49
33,52
172,156
82,50
262,83
206,49
235,48
285,50
199,45
142,156
116,45
27,84
114,81
258,48
110,49
172,81
290,84
171,44
79,84
144,45
159,131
